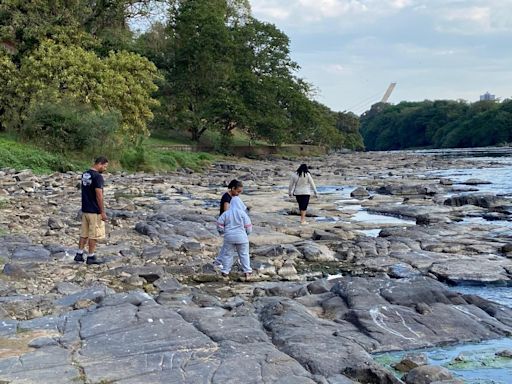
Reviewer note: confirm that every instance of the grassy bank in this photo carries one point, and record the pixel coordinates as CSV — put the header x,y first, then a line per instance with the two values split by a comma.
x,y
147,157
26,156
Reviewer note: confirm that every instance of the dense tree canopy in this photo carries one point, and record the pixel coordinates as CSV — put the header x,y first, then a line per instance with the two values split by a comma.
x,y
439,124
217,68
225,70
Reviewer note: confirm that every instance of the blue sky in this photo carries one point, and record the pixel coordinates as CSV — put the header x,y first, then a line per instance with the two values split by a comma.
x,y
350,50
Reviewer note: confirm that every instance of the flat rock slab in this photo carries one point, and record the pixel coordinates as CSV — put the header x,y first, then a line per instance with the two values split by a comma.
x,y
259,239
491,269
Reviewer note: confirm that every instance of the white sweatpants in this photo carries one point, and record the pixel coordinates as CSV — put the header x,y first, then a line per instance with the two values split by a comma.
x,y
229,251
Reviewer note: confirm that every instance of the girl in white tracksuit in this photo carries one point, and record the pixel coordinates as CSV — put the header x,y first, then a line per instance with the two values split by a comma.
x,y
236,225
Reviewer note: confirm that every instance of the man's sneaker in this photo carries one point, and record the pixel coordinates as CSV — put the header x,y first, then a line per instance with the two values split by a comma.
x,y
79,257
93,260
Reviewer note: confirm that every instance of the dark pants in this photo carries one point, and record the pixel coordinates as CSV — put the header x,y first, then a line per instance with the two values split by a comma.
x,y
303,201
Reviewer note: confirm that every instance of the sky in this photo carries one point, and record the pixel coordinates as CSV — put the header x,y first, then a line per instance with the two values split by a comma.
x,y
351,50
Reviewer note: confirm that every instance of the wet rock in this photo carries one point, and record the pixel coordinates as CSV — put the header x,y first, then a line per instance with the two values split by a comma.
x,y
428,219
359,193
428,374
379,305
411,361
401,189
475,181
505,353
314,344
484,201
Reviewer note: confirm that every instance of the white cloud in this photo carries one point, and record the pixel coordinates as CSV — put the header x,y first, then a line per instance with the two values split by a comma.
x,y
314,11
336,69
471,17
267,10
352,49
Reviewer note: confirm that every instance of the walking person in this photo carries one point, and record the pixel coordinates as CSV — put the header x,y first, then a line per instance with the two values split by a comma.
x,y
302,187
93,211
235,225
235,188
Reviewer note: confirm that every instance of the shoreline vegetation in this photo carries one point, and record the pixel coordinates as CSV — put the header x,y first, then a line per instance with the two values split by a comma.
x,y
158,154
80,81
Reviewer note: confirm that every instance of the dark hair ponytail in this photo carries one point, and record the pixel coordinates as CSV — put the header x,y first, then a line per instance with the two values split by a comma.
x,y
302,170
234,184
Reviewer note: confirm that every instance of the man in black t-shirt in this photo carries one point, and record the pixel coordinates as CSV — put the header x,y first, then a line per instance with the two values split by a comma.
x,y
93,210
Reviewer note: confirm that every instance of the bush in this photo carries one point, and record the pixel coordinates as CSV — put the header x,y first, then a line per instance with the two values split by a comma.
x,y
138,159
67,126
141,158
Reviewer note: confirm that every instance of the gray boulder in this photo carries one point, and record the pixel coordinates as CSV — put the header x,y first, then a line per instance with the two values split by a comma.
x,y
427,374
484,201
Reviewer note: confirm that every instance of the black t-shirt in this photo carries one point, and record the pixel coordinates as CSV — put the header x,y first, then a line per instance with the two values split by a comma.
x,y
91,180
226,198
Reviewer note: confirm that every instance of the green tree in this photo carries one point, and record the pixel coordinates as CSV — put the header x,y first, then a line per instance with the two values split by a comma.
x,y
347,123
121,82
440,123
102,24
8,81
200,63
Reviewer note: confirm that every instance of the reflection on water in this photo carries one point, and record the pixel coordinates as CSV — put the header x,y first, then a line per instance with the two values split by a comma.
x,y
347,206
498,294
480,365
500,178
342,191
370,232
372,218
482,221
483,152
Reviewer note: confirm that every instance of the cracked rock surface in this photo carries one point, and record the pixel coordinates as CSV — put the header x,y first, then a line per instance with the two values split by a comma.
x,y
323,297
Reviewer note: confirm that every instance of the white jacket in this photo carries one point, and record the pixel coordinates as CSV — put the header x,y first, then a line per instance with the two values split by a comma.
x,y
302,185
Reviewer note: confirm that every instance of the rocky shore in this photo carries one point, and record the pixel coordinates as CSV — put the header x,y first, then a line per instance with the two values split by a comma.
x,y
323,297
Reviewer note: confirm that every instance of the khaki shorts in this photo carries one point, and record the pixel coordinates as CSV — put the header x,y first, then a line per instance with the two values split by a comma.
x,y
92,226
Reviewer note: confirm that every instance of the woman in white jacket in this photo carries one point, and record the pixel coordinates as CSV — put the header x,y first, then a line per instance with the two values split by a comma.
x,y
302,186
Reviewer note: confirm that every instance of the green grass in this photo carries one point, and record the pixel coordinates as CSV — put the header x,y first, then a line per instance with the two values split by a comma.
x,y
150,157
209,138
17,155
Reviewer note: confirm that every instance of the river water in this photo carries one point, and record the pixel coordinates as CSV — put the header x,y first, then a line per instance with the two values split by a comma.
x,y
475,363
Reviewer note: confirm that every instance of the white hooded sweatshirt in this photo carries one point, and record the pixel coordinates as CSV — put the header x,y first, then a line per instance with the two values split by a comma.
x,y
234,223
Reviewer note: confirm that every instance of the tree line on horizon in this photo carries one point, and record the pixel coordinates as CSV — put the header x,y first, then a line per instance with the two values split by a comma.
x,y
73,75
437,124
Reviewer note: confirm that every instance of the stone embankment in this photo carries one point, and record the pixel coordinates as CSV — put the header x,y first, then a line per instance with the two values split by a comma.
x,y
323,298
